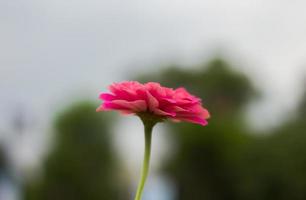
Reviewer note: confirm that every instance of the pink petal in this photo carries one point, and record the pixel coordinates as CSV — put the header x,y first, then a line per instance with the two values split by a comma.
x,y
196,120
152,102
137,106
107,97
100,108
164,113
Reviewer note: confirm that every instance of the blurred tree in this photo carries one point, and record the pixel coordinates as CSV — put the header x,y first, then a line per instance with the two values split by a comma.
x,y
3,164
275,164
205,164
302,107
81,165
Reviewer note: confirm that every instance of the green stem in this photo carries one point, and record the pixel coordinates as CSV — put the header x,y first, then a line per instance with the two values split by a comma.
x,y
146,160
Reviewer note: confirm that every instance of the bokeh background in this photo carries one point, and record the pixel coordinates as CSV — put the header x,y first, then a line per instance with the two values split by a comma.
x,y
245,59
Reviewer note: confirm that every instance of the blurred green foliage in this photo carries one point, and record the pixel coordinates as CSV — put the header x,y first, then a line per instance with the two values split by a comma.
x,y
275,165
82,163
3,164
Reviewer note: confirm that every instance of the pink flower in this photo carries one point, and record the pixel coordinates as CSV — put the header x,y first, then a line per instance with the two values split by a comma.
x,y
152,99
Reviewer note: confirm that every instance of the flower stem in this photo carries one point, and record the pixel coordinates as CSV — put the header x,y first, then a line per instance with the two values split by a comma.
x,y
148,127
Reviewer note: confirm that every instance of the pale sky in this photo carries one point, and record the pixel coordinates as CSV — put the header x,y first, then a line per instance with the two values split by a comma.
x,y
53,50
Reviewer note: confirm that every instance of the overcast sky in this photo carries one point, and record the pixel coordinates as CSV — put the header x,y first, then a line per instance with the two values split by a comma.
x,y
53,49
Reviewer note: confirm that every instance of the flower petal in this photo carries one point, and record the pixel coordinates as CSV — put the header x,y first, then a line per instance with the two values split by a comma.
x,y
152,102
164,113
107,96
136,106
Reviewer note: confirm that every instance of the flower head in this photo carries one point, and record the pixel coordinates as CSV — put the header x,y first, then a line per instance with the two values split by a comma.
x,y
154,101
